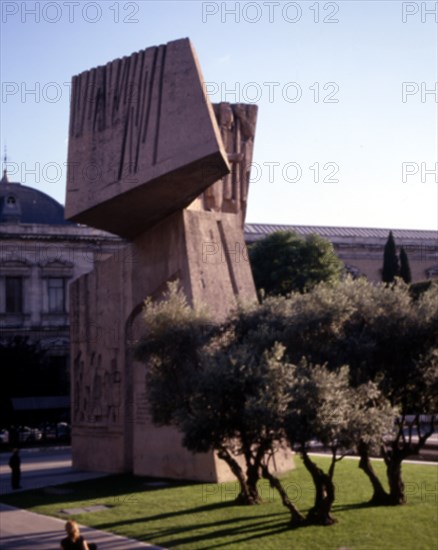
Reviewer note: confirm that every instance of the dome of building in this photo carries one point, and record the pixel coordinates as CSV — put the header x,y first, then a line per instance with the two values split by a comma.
x,y
23,204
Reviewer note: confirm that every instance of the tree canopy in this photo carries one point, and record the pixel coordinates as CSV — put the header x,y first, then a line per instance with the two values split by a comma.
x,y
384,335
207,381
283,262
334,364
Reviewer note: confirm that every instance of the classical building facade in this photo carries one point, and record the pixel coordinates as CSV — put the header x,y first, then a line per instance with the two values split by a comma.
x,y
361,248
40,255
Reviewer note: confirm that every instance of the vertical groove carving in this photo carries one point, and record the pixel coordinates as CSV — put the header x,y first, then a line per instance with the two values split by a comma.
x,y
128,90
160,98
143,94
149,98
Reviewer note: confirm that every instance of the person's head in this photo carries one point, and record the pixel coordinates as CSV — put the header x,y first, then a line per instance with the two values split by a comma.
x,y
72,530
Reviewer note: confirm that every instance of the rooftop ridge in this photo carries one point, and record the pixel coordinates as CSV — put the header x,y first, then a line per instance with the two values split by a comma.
x,y
342,231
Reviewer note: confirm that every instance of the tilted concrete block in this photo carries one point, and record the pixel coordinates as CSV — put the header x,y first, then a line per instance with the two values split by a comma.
x,y
143,140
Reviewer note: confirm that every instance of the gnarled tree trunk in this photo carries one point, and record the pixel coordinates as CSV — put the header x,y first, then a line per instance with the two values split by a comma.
x,y
252,478
396,485
296,517
402,447
380,496
325,494
248,493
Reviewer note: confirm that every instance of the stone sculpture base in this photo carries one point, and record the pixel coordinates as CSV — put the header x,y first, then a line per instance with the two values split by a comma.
x,y
112,430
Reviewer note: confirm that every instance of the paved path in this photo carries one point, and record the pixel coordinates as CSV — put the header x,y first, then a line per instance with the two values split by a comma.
x,y
42,467
22,530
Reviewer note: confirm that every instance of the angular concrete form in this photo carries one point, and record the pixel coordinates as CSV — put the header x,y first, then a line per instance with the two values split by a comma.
x,y
111,427
143,140
186,219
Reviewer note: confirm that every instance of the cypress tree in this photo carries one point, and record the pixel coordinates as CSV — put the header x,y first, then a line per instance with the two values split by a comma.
x,y
391,267
405,269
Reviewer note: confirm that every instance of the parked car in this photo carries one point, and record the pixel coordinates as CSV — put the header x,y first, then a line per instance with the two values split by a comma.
x,y
48,430
27,435
59,431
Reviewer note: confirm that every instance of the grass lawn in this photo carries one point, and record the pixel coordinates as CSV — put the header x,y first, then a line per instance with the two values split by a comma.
x,y
202,516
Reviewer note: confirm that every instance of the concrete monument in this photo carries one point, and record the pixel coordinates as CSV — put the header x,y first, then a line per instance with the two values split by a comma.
x,y
184,214
143,141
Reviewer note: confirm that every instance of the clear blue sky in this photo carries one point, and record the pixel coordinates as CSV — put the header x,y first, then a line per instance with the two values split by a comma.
x,y
329,79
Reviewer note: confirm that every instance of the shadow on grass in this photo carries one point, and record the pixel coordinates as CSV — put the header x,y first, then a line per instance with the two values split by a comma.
x,y
355,506
174,514
256,526
111,486
276,530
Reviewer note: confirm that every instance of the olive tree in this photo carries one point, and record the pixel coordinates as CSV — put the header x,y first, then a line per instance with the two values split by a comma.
x,y
385,336
206,380
326,408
